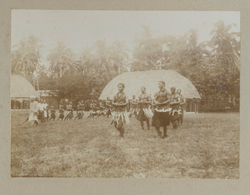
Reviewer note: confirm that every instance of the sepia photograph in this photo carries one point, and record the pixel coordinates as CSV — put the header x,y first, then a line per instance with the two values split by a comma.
x,y
125,94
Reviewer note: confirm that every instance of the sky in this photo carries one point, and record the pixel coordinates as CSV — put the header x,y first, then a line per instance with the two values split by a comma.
x,y
80,29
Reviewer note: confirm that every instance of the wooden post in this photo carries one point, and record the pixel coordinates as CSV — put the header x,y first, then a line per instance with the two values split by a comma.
x,y
14,104
196,105
21,105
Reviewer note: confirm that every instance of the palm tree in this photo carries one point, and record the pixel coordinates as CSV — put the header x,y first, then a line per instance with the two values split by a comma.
x,y
147,51
24,59
226,47
104,61
120,56
84,61
62,60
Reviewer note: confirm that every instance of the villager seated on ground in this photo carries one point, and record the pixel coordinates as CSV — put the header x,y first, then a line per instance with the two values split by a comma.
x,y
70,110
79,112
61,111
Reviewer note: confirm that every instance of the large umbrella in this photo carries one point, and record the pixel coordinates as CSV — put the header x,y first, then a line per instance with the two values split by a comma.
x,y
135,80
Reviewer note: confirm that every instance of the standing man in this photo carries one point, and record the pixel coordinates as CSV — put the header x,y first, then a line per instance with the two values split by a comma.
x,y
40,110
108,106
144,105
182,104
45,107
33,112
175,105
52,112
120,102
162,109
61,111
133,106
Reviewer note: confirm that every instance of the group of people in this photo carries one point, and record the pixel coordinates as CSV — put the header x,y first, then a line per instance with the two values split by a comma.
x,y
40,111
66,110
165,107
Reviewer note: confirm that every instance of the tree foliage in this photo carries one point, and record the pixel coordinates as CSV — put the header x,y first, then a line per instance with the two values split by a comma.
x,y
62,60
212,66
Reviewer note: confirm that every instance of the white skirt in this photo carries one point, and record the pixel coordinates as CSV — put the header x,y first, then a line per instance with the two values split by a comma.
x,y
32,116
45,113
122,116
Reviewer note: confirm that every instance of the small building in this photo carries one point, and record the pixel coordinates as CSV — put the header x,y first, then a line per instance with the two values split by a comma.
x,y
21,90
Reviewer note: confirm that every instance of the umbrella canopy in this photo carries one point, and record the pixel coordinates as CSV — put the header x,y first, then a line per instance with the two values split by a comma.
x,y
21,87
135,80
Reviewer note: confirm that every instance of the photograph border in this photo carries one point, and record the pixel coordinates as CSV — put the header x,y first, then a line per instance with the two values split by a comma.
x,y
95,186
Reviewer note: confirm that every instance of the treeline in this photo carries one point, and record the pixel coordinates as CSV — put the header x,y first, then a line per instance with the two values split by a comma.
x,y
212,66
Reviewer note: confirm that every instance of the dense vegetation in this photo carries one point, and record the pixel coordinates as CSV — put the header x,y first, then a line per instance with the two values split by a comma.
x,y
212,66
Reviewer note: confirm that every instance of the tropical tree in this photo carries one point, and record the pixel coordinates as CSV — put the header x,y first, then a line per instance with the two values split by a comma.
x,y
217,75
85,61
147,51
120,56
25,56
103,58
62,60
226,47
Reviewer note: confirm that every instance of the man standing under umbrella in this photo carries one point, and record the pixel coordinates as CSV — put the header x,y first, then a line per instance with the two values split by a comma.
x,y
162,109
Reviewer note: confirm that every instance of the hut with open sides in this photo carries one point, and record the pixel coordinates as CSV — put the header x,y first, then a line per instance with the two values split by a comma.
x,y
21,90
135,80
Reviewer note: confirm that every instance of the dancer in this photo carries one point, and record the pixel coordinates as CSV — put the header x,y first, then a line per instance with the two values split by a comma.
x,y
120,102
52,113
61,111
182,105
162,109
133,106
145,112
108,107
175,113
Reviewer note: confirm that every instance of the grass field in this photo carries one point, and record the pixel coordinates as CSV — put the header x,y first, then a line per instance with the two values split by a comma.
x,y
206,146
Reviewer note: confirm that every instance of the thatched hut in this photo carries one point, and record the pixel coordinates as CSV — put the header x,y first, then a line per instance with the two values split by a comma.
x,y
21,90
134,80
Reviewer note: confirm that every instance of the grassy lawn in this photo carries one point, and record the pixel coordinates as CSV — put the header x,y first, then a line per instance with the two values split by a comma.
x,y
206,146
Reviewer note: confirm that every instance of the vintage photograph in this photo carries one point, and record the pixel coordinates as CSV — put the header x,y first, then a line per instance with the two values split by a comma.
x,y
125,94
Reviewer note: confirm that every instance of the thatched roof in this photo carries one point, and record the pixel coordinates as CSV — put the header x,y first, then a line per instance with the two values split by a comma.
x,y
21,87
135,80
